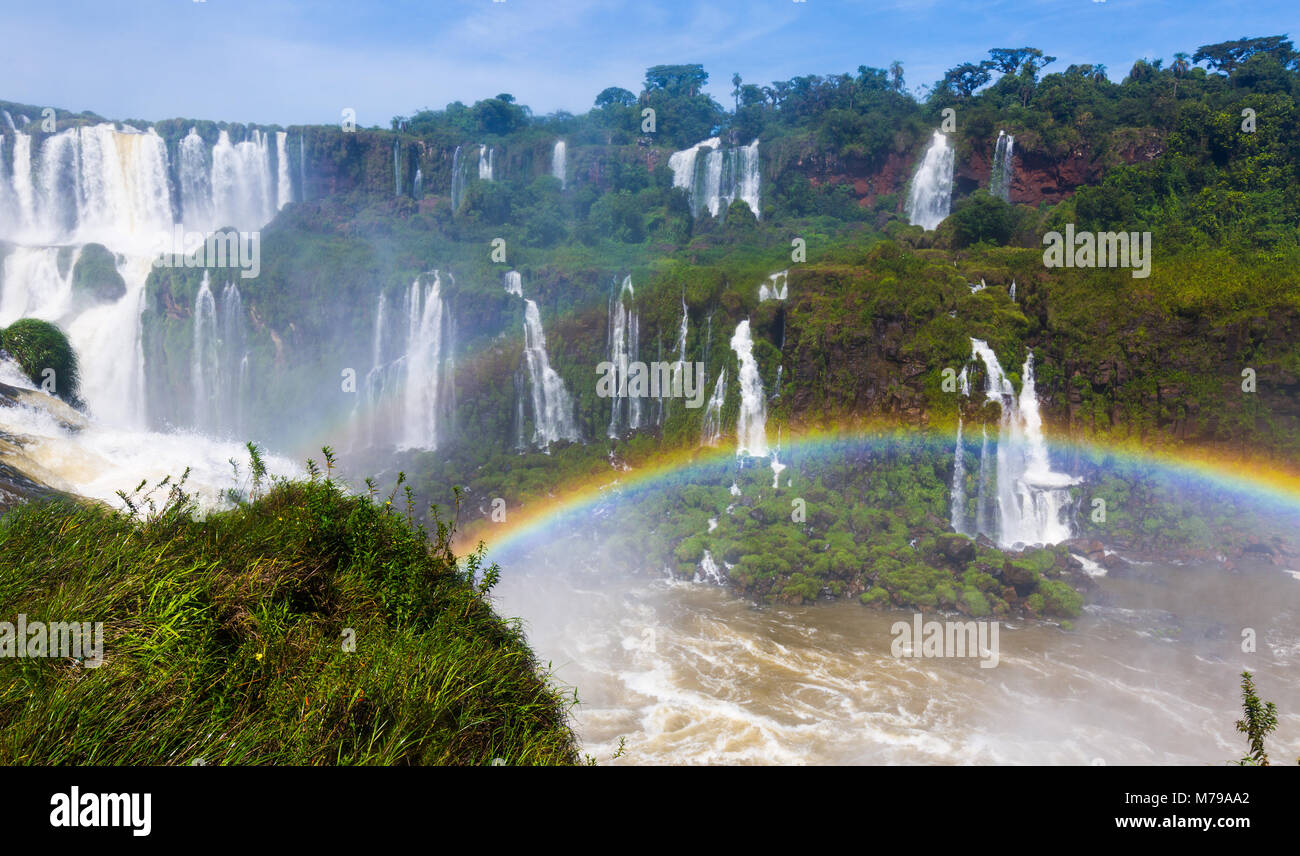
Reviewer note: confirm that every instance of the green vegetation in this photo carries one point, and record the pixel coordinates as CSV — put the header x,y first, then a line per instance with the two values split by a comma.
x,y
304,626
43,352
1259,722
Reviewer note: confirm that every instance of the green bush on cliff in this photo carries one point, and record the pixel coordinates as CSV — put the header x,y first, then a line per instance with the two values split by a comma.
x,y
304,627
41,348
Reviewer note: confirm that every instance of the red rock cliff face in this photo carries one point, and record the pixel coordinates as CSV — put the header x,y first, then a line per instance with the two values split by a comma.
x,y
1039,177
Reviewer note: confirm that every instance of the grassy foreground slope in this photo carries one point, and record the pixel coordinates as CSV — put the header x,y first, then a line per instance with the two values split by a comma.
x,y
226,642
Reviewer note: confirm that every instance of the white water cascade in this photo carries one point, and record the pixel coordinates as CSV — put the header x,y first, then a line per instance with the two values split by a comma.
x,y
486,162
560,163
283,185
930,198
751,423
711,432
714,176
624,347
514,283
428,364
552,406
775,288
112,185
1003,166
957,495
1034,504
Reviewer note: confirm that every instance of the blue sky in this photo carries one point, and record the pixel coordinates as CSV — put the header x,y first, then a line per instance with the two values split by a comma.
x,y
293,61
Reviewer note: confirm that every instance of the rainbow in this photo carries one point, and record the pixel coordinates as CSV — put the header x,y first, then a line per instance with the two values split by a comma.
x,y
1251,477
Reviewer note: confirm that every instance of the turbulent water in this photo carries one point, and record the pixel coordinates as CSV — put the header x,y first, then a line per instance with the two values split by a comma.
x,y
715,175
689,674
930,197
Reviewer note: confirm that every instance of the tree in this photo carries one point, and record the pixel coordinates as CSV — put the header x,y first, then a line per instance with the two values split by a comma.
x,y
1261,719
1226,56
1180,68
965,79
896,76
1015,60
735,89
615,95
676,79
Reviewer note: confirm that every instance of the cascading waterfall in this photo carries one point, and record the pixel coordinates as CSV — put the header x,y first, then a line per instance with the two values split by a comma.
x,y
218,360
1003,166
486,157
205,355
624,347
113,186
302,167
775,288
714,176
283,186
242,185
417,184
426,376
552,406
957,495
1034,504
559,163
751,423
457,180
711,433
930,197
514,283
679,363
397,171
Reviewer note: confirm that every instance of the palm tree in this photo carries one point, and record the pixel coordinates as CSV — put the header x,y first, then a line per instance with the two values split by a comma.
x,y
1180,68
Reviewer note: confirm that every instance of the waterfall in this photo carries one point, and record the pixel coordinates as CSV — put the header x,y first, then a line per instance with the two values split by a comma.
x,y
1034,505
514,283
242,192
709,568
1012,291
283,185
930,197
751,423
397,171
983,501
195,174
624,347
711,433
302,167
774,288
218,360
205,356
957,496
114,186
1003,166
552,407
426,376
486,157
559,163
377,378
457,180
714,176
417,184
677,380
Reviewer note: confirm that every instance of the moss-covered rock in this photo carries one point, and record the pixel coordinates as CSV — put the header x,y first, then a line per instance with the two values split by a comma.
x,y
95,275
45,355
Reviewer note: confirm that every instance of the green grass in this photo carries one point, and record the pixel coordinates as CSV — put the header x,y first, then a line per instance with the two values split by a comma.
x,y
224,639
